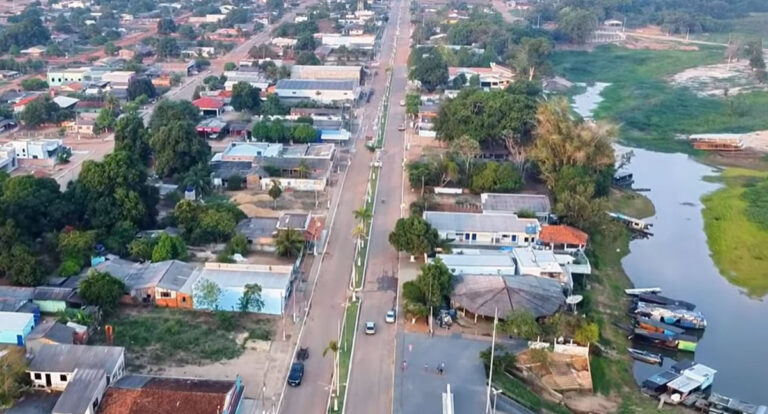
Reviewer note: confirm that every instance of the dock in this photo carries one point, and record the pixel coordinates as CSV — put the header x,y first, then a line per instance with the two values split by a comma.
x,y
638,291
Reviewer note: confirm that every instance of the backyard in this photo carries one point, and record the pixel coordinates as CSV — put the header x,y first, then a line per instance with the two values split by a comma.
x,y
158,336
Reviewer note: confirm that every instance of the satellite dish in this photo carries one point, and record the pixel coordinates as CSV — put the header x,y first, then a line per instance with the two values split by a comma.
x,y
574,299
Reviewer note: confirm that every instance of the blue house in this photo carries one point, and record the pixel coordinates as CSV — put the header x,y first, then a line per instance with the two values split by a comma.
x,y
14,327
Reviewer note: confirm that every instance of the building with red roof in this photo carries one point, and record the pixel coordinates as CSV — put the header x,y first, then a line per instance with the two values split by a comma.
x,y
209,106
562,237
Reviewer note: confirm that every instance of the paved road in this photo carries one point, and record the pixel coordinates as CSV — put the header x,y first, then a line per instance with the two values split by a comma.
x,y
373,359
334,271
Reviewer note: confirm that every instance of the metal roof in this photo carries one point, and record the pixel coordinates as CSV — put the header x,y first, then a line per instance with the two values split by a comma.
x,y
67,358
479,260
52,331
540,295
513,203
52,293
328,85
477,222
238,279
15,321
482,295
257,227
176,274
80,390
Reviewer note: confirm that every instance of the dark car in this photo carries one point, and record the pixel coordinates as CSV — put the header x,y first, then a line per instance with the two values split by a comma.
x,y
296,374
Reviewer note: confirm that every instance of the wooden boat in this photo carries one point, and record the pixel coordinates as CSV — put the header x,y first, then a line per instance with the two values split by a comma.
x,y
674,316
637,291
679,342
632,223
645,356
721,404
659,327
663,300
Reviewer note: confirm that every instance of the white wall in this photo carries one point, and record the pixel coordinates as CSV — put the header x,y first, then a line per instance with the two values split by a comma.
x,y
298,184
58,383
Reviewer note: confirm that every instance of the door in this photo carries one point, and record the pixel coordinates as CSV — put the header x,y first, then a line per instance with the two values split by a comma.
x,y
19,340
47,380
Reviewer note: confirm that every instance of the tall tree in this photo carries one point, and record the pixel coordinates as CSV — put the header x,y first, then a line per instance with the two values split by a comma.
x,y
206,294
169,247
167,111
131,136
13,375
21,267
467,149
275,192
521,324
578,24
429,68
177,148
245,97
532,56
166,26
141,86
414,236
435,283
36,205
101,289
289,243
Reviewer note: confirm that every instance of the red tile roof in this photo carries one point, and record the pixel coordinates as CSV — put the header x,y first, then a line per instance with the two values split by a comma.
x,y
168,396
563,235
24,101
208,103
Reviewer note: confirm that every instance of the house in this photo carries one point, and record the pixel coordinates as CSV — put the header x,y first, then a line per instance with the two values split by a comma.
x,y
19,106
693,377
520,204
483,295
18,299
65,102
44,149
494,77
119,79
200,51
8,160
209,106
259,231
55,299
82,125
143,394
255,79
563,237
325,92
479,262
335,40
541,263
72,87
283,42
49,332
9,74
7,124
426,120
275,282
212,128
82,372
152,282
310,72
126,54
168,292
58,77
34,51
15,327
484,229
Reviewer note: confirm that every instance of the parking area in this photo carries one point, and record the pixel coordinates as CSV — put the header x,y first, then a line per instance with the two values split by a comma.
x,y
419,386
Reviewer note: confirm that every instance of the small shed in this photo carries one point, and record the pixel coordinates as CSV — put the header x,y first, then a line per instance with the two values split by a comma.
x,y
15,327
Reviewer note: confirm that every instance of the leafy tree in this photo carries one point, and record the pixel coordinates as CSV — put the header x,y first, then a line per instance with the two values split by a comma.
x,y
76,246
166,26
275,191
34,84
307,58
187,32
199,178
13,375
502,359
26,32
412,104
289,243
414,236
177,148
305,43
435,283
105,120
20,266
532,55
497,178
141,249
251,300
238,244
429,68
36,204
273,106
141,86
110,49
131,136
168,248
245,97
474,81
522,324
230,66
363,215
208,223
305,133
101,289
467,149
167,111
235,182
754,52
206,294
43,110
577,24
167,47
587,333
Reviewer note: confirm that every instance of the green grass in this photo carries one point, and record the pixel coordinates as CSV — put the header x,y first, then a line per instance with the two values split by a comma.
x,y
743,29
515,389
176,336
737,242
631,204
649,110
345,351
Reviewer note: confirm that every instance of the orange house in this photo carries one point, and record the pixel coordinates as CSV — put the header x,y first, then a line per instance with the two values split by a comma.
x,y
168,291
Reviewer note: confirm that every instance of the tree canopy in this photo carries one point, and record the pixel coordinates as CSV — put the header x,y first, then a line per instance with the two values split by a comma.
x,y
177,148
101,289
245,97
429,68
131,136
414,236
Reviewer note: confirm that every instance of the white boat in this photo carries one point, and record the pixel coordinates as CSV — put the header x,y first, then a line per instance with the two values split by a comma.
x,y
638,291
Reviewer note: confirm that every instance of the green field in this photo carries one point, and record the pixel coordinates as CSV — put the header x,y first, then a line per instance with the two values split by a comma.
x,y
736,240
648,109
744,29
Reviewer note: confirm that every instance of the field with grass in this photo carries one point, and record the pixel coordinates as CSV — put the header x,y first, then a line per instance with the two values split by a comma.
x,y
742,30
648,109
158,336
734,221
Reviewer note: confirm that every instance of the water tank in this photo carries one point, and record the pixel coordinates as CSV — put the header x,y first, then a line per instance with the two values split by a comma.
x,y
189,193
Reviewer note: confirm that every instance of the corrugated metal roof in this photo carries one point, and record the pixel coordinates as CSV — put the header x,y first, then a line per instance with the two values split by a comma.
x,y
477,222
513,203
15,321
79,392
66,358
328,85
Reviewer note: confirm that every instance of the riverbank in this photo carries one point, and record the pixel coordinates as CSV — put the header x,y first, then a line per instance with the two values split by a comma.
x,y
735,236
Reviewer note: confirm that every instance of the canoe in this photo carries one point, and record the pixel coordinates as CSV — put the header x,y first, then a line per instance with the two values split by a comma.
x,y
637,291
645,356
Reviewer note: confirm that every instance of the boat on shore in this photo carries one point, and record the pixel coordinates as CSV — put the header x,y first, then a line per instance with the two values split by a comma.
x,y
665,301
645,356
682,318
658,327
637,291
679,342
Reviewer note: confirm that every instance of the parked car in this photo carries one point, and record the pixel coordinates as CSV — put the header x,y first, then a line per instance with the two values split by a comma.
x,y
390,316
370,328
402,102
296,374
401,127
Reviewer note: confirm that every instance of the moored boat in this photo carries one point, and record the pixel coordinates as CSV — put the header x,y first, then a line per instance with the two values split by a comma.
x,y
665,301
678,317
645,356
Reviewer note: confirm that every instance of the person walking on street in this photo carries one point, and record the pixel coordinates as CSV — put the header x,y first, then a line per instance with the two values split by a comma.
x,y
405,365
442,368
426,368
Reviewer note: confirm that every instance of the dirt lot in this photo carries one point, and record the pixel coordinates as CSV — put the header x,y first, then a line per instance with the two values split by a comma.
x,y
258,203
719,80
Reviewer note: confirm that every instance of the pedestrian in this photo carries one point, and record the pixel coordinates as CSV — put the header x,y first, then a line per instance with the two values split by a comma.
x,y
426,368
442,368
438,370
405,365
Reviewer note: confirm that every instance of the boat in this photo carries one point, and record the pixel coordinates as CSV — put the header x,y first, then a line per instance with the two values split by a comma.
x,y
659,327
674,316
632,223
637,291
676,341
645,356
721,404
623,180
663,300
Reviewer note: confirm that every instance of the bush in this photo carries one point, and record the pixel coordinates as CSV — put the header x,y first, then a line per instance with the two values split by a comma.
x,y
69,267
235,183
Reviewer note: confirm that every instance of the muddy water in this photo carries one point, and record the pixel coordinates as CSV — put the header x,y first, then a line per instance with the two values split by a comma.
x,y
677,259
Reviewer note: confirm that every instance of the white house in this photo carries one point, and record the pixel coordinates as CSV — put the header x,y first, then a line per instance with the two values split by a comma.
x,y
484,229
479,262
334,40
35,149
321,91
543,263
8,161
58,77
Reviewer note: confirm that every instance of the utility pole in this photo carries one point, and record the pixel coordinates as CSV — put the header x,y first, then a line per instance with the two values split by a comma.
x,y
490,370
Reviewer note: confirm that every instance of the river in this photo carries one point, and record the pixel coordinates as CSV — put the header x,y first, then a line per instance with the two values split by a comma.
x,y
677,259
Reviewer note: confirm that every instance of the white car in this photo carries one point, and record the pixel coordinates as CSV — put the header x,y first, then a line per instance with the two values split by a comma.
x,y
402,102
390,318
370,328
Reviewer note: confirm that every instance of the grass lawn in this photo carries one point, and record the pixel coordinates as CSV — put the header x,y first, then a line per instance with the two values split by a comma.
x,y
649,110
743,29
162,336
737,242
515,389
345,351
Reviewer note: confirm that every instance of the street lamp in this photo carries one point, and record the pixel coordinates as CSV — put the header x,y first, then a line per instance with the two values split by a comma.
x,y
495,395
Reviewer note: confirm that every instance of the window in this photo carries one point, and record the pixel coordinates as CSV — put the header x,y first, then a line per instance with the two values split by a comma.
x,y
63,377
38,376
183,299
95,403
474,236
165,294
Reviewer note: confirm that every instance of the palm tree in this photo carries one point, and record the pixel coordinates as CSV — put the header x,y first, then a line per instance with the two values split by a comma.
x,y
359,232
303,169
333,347
363,214
289,243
